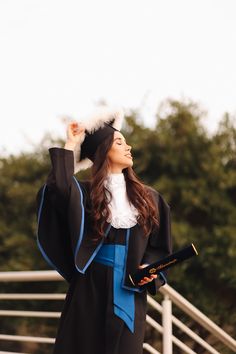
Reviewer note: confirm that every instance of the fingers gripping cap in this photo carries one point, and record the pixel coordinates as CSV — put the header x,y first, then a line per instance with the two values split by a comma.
x,y
98,126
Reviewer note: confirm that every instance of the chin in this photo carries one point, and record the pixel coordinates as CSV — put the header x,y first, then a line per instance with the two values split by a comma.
x,y
129,164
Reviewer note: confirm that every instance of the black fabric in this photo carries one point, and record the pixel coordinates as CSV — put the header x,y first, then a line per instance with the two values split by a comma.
x,y
64,239
88,324
93,140
159,243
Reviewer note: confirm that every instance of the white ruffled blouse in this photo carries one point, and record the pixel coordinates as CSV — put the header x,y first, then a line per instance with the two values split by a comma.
x,y
123,213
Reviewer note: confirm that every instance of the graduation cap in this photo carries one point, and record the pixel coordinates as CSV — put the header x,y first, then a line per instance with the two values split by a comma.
x,y
98,126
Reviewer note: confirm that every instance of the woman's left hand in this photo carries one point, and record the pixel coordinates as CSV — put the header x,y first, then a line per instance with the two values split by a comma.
x,y
146,280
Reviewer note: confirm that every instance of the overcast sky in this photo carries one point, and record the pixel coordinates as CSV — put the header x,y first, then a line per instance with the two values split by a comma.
x,y
62,56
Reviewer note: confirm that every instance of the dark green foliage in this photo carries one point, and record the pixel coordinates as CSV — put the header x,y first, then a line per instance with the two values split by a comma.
x,y
195,172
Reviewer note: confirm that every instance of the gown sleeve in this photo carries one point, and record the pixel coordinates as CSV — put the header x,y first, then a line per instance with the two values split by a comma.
x,y
159,244
52,203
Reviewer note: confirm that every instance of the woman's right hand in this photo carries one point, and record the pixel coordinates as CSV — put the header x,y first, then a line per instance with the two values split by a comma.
x,y
75,134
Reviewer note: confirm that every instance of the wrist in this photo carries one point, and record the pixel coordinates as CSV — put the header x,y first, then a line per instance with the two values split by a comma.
x,y
69,145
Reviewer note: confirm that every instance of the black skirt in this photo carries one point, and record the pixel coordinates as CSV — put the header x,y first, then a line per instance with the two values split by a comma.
x,y
88,324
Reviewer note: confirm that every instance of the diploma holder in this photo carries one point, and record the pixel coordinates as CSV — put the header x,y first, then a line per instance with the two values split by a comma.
x,y
163,264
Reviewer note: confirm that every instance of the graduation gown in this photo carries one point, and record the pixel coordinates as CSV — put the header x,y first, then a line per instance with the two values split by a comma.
x,y
88,324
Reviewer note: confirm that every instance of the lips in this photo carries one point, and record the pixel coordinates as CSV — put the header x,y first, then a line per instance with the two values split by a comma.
x,y
129,155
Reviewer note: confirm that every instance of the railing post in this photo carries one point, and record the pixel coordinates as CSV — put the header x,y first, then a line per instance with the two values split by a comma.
x,y
167,325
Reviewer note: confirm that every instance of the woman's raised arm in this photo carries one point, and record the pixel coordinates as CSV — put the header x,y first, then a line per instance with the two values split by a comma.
x,y
75,134
62,160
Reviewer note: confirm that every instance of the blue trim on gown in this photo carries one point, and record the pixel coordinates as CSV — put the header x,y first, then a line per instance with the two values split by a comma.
x,y
115,255
47,259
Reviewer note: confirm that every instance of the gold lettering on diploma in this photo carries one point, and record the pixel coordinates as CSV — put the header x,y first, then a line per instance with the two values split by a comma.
x,y
161,266
152,270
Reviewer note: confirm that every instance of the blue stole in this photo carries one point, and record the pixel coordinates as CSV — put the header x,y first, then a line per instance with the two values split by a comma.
x,y
114,255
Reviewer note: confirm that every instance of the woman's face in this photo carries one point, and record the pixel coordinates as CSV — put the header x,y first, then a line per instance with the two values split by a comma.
x,y
119,155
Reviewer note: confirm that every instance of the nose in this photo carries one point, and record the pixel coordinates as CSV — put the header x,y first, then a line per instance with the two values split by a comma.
x,y
128,147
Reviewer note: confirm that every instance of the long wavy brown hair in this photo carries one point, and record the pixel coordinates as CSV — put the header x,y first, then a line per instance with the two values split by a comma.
x,y
138,194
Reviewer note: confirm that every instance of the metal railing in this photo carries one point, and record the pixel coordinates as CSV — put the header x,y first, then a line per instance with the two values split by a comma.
x,y
165,309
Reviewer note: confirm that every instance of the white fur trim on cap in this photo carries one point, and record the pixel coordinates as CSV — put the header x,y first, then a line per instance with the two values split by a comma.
x,y
93,122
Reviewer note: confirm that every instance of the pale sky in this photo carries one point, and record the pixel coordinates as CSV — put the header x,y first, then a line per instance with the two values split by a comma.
x,y
62,56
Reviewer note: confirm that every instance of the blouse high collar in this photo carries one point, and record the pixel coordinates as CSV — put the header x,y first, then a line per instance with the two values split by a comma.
x,y
123,213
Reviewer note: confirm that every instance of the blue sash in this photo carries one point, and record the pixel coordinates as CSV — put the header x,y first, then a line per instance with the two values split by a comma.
x,y
114,255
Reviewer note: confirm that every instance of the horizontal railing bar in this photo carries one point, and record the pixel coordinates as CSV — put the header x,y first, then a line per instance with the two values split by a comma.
x,y
194,336
183,327
154,324
34,275
29,313
198,316
146,346
152,302
1,352
150,349
29,296
175,340
180,301
27,339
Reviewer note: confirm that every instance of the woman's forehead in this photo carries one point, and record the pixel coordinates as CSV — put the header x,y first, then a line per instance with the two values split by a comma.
x,y
118,135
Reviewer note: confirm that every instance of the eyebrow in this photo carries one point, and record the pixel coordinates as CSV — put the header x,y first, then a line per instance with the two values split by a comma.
x,y
119,139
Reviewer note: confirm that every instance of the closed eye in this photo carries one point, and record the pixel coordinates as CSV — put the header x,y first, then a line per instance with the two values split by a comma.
x,y
120,141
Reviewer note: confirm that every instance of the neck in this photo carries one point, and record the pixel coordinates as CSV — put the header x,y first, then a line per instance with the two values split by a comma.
x,y
115,170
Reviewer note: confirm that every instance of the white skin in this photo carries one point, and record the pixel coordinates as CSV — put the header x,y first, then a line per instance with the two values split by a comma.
x,y
119,157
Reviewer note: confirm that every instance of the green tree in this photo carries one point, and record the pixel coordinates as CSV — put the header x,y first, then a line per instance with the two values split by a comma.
x,y
196,174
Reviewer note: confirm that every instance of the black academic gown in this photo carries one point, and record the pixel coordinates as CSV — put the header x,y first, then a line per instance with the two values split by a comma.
x,y
88,324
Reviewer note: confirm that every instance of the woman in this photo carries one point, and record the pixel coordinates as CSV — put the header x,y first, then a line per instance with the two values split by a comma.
x,y
97,232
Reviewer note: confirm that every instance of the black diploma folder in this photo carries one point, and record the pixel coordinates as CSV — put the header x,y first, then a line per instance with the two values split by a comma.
x,y
163,264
